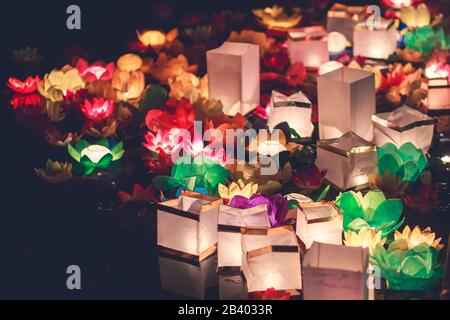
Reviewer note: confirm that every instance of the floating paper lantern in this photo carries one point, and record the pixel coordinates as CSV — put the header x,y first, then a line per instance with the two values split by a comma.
x,y
366,238
336,42
408,269
319,221
348,160
55,171
374,43
98,109
156,38
237,189
329,66
231,220
95,71
188,224
271,259
128,80
233,76
29,85
186,277
324,267
407,162
438,94
295,110
308,45
343,18
346,103
373,211
403,125
58,83
417,236
91,156
276,18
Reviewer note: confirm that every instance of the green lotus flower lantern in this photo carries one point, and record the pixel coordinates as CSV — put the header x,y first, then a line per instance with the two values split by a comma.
x,y
426,39
371,211
406,269
407,162
102,154
194,173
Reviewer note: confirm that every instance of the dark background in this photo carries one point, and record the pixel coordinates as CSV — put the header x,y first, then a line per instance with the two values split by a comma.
x,y
45,228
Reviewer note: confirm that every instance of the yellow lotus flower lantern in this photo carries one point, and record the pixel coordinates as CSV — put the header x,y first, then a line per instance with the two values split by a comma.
x,y
57,83
418,236
366,238
276,18
128,79
156,38
237,189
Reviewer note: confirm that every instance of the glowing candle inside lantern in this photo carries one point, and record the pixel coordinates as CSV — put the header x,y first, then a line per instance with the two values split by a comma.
x,y
433,72
152,38
336,42
95,152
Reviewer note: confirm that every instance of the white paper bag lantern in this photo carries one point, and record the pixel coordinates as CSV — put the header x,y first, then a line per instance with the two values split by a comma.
x,y
271,259
335,272
233,76
188,225
376,43
346,100
348,160
231,220
320,222
438,94
403,125
187,278
295,110
308,45
343,18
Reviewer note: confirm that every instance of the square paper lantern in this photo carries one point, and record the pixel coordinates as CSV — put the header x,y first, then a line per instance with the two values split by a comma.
x,y
186,277
271,259
403,125
295,110
348,160
335,272
374,43
188,225
438,94
231,220
320,222
233,76
342,19
308,45
346,103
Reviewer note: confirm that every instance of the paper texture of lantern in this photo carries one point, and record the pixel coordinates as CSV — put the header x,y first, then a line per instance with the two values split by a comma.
x,y
187,278
335,272
403,125
231,220
348,160
376,43
188,225
295,110
271,259
233,76
438,94
128,80
320,222
346,100
308,45
342,18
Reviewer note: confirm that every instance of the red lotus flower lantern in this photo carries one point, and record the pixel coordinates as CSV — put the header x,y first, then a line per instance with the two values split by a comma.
x,y
98,109
309,178
96,71
24,87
